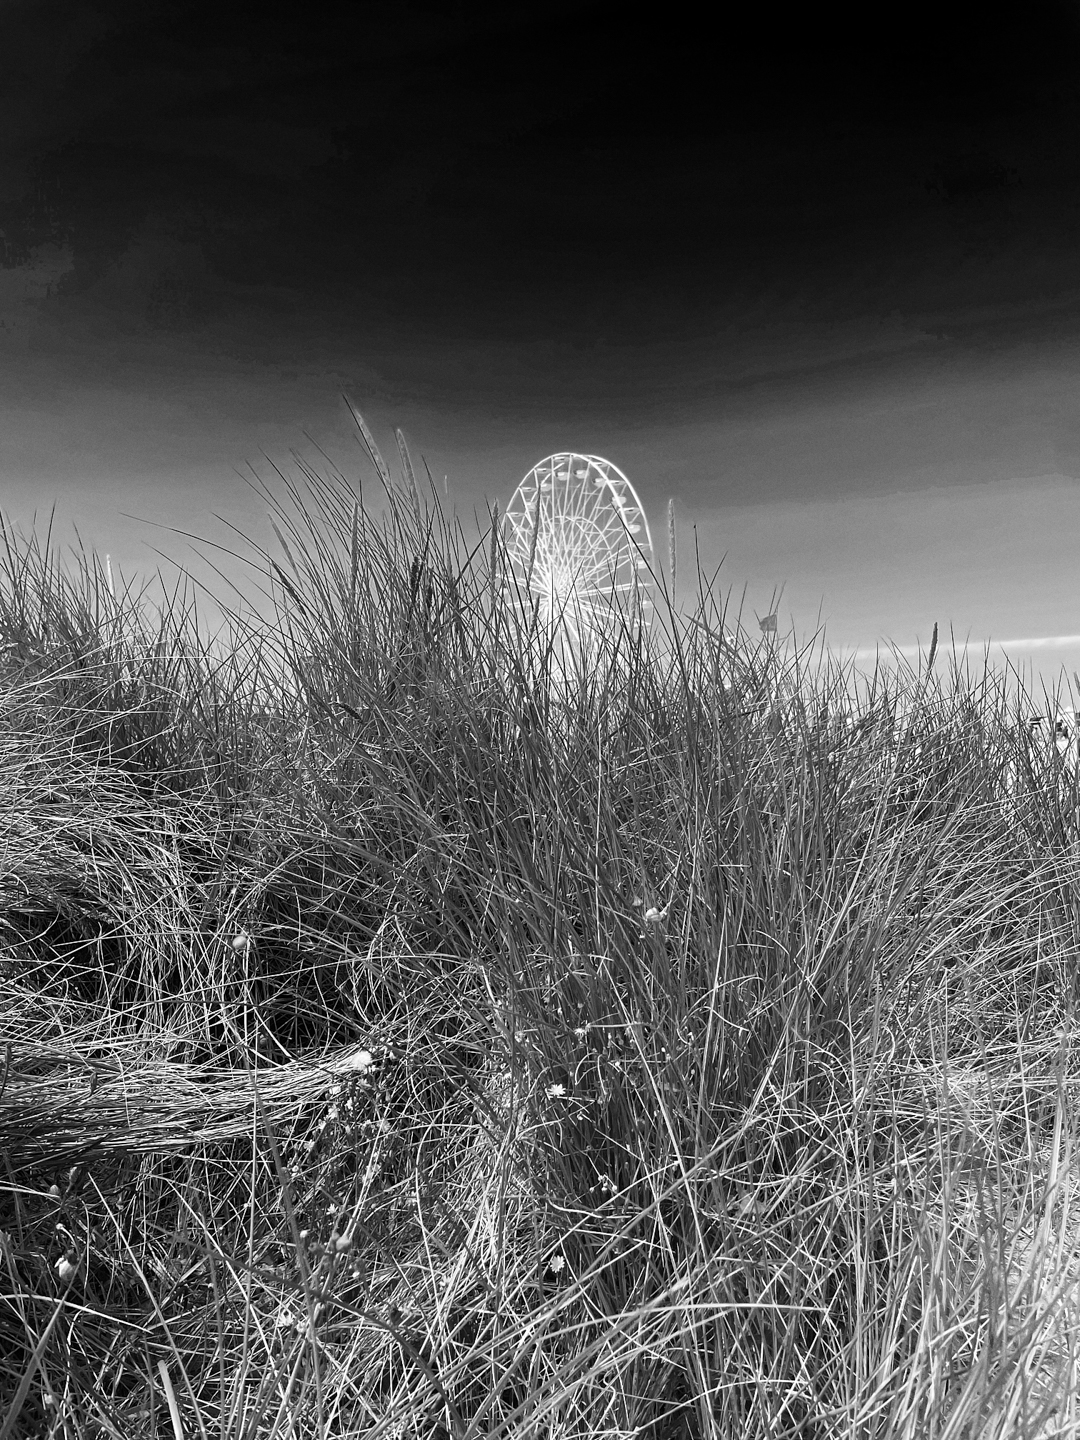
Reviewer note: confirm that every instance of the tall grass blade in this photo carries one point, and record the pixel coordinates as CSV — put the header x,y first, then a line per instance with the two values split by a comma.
x,y
493,556
170,1400
369,443
410,480
672,557
533,538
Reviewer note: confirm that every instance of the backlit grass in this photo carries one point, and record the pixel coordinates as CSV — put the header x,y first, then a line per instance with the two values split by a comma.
x,y
412,1028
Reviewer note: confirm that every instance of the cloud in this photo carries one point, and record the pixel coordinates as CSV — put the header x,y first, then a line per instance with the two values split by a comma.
x,y
1042,642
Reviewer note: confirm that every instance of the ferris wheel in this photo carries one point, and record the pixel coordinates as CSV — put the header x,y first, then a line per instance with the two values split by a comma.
x,y
577,538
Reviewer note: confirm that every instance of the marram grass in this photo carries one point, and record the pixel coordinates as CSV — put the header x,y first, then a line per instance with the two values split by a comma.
x,y
413,1029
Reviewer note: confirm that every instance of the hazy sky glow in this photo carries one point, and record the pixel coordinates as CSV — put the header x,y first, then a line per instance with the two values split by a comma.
x,y
821,287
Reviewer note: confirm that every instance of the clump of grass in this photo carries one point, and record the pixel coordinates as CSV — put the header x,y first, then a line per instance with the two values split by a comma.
x,y
418,1025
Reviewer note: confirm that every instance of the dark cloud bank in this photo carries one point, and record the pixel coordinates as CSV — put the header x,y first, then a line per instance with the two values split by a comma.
x,y
588,177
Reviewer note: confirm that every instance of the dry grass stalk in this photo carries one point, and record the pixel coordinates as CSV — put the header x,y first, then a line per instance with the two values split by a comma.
x,y
672,556
369,443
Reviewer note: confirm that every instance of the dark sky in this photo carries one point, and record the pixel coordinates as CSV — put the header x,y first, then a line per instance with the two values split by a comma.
x,y
812,278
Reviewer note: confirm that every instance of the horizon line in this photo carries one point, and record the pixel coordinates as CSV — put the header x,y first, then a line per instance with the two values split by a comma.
x,y
1037,642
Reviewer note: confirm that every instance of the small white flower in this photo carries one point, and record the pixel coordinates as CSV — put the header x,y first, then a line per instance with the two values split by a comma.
x,y
554,1091
362,1060
557,1264
66,1269
581,1031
